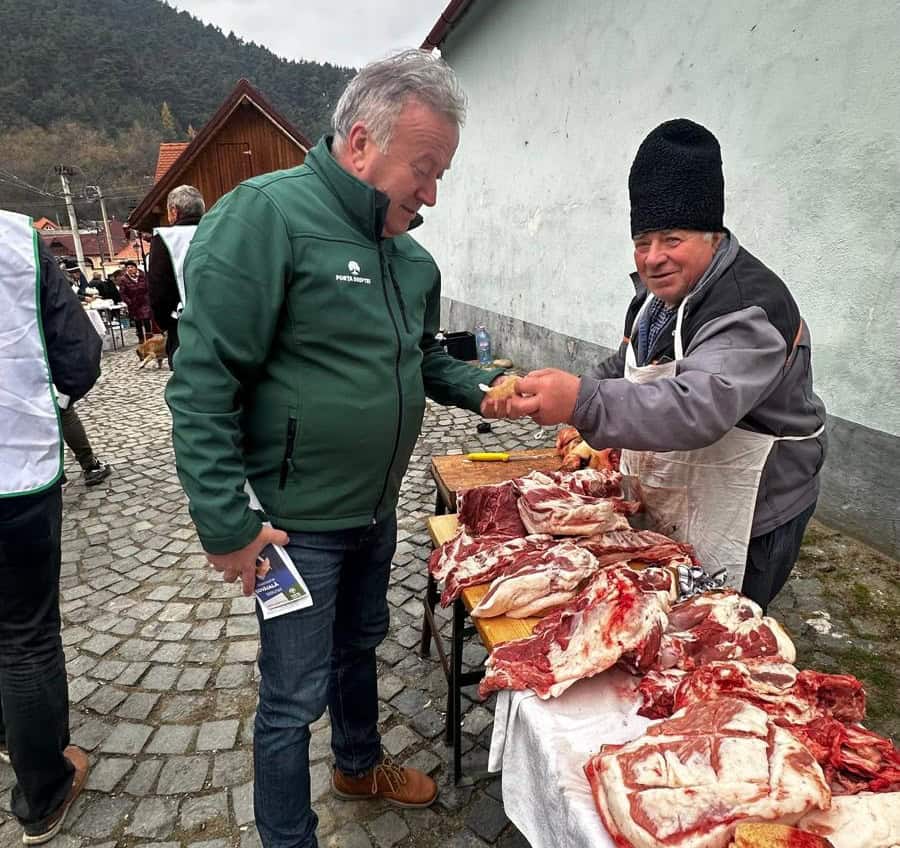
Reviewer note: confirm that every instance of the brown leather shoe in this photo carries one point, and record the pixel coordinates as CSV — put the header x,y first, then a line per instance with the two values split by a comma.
x,y
398,785
45,831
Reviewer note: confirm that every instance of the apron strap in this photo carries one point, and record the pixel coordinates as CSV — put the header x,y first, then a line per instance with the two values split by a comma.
x,y
795,345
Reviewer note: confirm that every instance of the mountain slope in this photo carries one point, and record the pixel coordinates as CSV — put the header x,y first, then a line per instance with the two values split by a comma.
x,y
111,62
97,84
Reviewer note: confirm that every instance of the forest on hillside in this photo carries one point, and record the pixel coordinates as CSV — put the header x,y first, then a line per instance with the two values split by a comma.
x,y
97,84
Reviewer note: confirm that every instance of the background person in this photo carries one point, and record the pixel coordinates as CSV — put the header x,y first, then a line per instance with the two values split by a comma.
x,y
133,289
168,249
307,373
710,394
34,706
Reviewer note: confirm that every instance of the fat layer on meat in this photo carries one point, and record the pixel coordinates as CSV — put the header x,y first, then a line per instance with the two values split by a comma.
x,y
721,625
567,506
548,582
867,820
689,780
612,615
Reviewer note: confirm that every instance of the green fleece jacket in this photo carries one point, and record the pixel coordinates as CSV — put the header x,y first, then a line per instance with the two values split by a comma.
x,y
307,351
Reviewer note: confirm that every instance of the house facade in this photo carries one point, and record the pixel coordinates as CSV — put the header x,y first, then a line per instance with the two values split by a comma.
x,y
532,226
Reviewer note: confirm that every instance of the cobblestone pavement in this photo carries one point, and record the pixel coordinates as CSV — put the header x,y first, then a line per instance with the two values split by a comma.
x,y
161,655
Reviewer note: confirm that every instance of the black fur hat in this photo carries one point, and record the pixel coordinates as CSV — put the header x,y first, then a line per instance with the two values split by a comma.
x,y
676,180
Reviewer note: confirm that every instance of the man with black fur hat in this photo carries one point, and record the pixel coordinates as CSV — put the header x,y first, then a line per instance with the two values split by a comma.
x,y
710,394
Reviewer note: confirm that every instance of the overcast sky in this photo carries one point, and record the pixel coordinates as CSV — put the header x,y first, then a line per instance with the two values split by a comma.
x,y
351,32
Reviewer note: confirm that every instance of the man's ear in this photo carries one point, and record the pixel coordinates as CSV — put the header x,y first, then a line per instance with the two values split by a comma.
x,y
358,146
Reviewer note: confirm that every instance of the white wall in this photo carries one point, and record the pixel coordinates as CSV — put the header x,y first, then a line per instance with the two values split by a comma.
x,y
804,97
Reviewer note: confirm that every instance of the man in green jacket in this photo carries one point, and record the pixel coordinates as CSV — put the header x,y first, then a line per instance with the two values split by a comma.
x,y
307,352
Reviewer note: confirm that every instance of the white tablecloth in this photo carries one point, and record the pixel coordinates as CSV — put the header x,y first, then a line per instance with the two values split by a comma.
x,y
542,747
96,322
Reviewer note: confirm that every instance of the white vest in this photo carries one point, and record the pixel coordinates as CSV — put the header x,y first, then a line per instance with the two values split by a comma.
x,y
30,440
177,241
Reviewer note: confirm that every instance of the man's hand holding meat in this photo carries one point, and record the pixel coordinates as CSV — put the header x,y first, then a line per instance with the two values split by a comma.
x,y
714,365
548,396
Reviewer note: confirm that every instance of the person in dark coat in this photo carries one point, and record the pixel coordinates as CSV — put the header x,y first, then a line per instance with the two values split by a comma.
x,y
133,288
51,330
108,290
185,207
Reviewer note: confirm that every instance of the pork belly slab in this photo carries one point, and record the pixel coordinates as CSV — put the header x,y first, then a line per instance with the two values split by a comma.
x,y
690,780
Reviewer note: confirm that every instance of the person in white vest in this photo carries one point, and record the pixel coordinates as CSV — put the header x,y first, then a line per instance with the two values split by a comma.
x,y
45,339
165,278
710,394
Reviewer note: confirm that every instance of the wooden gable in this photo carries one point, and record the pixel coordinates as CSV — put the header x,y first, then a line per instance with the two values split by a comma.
x,y
245,138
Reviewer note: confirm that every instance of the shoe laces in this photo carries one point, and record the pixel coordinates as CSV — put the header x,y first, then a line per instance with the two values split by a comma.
x,y
393,775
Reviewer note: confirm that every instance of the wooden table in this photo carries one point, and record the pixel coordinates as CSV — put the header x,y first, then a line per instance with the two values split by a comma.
x,y
495,630
454,473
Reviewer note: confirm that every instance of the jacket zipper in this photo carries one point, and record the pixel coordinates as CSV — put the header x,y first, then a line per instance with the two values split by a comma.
x,y
288,452
396,286
387,303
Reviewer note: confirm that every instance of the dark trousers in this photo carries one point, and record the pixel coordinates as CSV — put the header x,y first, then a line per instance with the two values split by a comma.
x,y
34,699
171,345
75,437
143,328
316,657
771,557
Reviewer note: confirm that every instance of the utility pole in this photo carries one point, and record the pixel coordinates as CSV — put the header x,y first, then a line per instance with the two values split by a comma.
x,y
109,243
64,173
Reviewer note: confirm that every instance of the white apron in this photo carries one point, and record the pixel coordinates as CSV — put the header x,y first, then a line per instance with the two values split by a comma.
x,y
177,241
704,497
30,442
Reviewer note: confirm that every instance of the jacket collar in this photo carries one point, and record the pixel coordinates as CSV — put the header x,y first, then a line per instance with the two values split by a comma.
x,y
364,205
186,221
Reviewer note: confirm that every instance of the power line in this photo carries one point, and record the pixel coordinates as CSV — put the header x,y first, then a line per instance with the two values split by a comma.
x,y
19,182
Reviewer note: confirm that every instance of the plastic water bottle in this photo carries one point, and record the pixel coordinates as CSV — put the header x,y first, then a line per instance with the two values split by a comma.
x,y
483,343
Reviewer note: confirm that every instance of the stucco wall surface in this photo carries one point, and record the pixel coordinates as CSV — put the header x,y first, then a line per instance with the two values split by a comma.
x,y
532,219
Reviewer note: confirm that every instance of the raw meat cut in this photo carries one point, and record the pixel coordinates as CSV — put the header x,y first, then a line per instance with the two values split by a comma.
x,y
547,582
821,710
691,779
643,545
490,562
657,691
598,483
563,509
575,452
854,759
788,695
619,611
458,549
490,510
866,820
721,626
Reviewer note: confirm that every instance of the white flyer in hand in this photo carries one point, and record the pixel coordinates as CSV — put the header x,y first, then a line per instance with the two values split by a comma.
x,y
279,587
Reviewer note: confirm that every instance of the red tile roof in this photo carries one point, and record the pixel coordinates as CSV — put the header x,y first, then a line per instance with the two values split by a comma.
x,y
169,151
92,244
45,224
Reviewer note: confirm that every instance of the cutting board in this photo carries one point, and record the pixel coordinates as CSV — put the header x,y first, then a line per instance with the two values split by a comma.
x,y
454,473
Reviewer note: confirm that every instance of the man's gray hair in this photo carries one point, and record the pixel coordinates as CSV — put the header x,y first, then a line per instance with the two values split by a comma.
x,y
187,200
381,89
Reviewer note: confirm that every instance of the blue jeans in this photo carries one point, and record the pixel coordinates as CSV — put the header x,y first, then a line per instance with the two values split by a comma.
x,y
321,656
34,699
